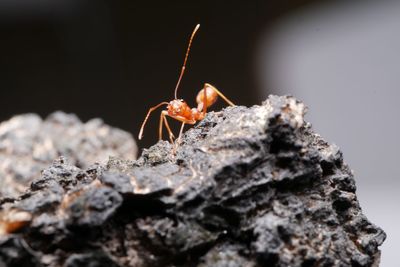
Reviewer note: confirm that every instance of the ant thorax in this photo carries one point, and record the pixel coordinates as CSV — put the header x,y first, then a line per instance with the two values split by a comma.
x,y
178,107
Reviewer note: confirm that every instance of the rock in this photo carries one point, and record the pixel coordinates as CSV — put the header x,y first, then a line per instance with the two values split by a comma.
x,y
15,252
92,259
245,187
29,144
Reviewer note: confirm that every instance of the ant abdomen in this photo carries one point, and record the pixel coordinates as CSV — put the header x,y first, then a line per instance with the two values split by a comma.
x,y
210,94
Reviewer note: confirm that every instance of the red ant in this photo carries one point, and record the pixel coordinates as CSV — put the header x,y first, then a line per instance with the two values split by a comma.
x,y
179,110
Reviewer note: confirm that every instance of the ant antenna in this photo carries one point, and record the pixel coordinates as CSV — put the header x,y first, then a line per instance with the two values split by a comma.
x,y
186,57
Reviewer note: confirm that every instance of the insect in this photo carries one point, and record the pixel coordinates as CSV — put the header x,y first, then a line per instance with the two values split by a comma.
x,y
179,110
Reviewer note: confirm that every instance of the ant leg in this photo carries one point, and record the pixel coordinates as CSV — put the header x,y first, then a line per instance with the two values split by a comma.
x,y
176,144
184,121
160,127
171,135
205,101
219,93
147,116
180,133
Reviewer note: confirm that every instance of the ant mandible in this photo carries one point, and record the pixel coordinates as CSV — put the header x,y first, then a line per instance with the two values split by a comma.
x,y
179,110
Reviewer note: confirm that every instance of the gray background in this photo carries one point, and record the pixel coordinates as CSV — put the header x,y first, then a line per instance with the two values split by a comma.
x,y
343,61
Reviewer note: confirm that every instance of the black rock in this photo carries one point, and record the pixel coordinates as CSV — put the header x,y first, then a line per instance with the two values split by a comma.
x,y
90,259
29,144
245,187
120,182
15,252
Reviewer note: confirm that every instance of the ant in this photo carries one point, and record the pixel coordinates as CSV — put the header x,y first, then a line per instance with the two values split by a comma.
x,y
179,110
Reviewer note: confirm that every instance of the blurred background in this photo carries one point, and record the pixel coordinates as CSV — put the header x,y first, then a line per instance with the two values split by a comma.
x,y
115,59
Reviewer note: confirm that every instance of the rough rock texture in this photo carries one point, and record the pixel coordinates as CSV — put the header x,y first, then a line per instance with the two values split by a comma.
x,y
29,144
246,187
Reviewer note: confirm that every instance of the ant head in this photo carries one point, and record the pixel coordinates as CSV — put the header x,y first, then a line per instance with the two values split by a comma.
x,y
177,107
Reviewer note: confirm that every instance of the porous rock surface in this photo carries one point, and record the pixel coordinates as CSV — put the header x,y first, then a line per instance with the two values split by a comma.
x,y
29,144
245,187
